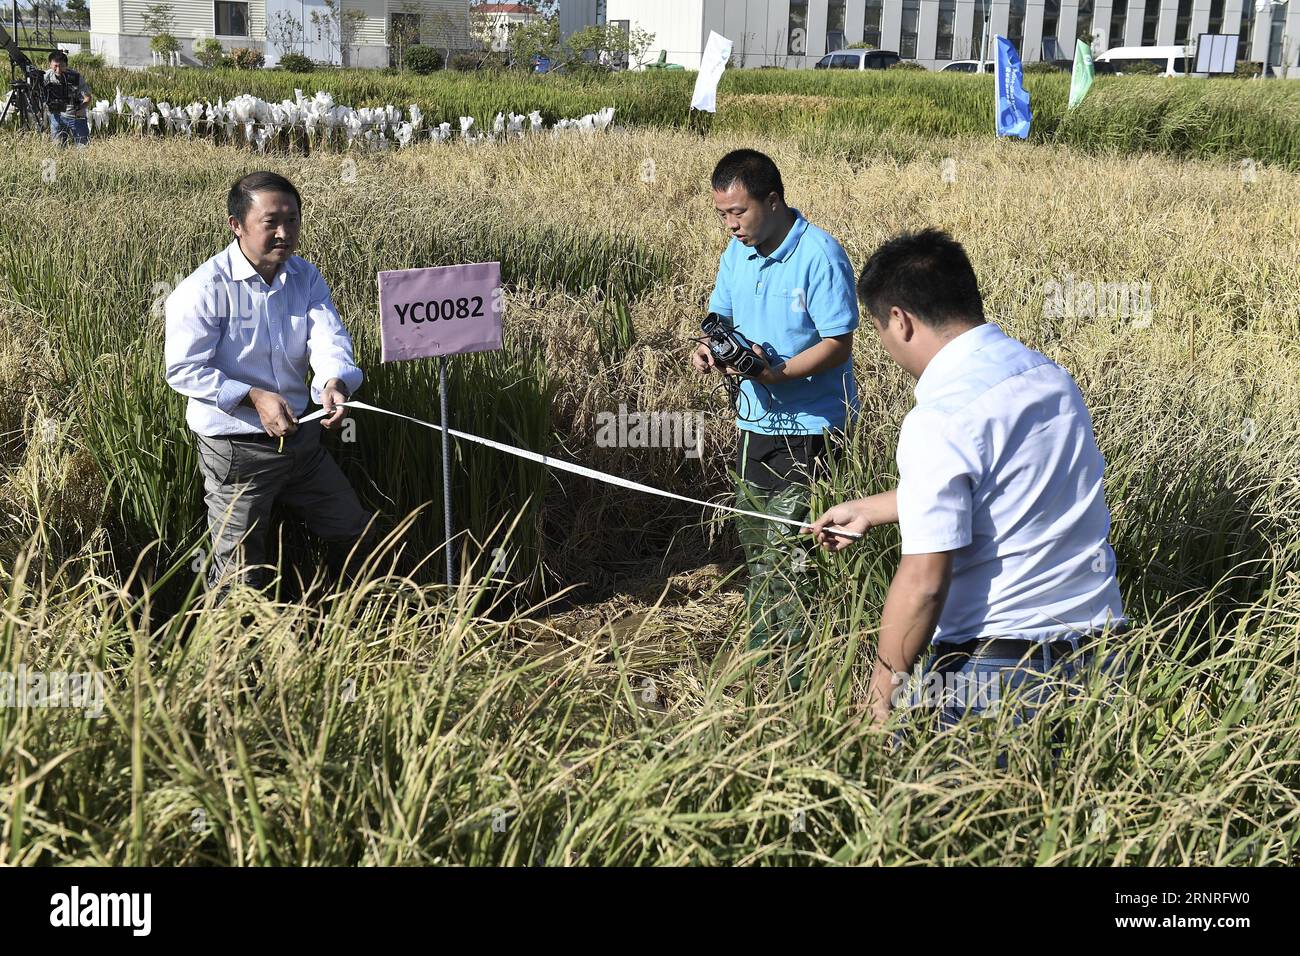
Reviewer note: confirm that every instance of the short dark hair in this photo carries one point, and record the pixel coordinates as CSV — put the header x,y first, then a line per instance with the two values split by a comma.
x,y
753,170
58,55
240,198
928,274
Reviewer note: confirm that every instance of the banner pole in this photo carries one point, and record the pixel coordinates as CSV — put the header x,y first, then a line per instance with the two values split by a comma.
x,y
445,421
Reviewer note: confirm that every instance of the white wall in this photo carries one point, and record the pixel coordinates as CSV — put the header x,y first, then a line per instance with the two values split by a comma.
x,y
105,16
757,28
677,25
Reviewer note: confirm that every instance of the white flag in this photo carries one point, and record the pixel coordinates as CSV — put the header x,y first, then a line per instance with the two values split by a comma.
x,y
716,54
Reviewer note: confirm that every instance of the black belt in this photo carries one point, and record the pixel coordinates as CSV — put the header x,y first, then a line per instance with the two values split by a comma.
x,y
1008,647
262,438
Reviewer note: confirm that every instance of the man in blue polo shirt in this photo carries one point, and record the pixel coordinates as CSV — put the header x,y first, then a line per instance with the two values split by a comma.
x,y
1006,566
788,287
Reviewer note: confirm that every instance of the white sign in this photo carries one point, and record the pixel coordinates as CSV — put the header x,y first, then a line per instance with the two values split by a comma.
x,y
717,52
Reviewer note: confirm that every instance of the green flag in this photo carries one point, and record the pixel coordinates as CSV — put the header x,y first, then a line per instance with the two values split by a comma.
x,y
1081,75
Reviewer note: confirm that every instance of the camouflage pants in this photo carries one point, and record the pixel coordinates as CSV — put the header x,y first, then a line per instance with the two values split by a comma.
x,y
773,477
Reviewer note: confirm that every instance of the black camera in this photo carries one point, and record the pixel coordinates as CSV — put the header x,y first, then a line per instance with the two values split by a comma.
x,y
730,348
63,94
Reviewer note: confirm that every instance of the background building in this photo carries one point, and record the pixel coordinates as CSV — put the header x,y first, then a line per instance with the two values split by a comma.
x,y
117,28
796,33
492,23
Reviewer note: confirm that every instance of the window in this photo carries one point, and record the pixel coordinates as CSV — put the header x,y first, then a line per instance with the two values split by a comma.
x,y
978,11
845,61
1276,29
1118,14
823,64
871,23
1216,17
1150,20
798,43
1051,16
835,25
231,19
1183,22
1015,24
907,43
1083,26
1244,44
947,21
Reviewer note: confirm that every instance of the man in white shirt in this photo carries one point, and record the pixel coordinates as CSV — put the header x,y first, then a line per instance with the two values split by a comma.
x,y
1006,568
242,331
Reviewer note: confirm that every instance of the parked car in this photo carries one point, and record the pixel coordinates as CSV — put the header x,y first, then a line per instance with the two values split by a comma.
x,y
1167,60
857,60
967,66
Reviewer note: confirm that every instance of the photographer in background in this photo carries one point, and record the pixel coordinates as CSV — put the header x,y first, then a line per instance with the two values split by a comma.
x,y
66,97
787,287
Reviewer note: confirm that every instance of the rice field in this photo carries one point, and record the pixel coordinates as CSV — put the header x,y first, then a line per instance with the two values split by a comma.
x,y
1230,119
581,698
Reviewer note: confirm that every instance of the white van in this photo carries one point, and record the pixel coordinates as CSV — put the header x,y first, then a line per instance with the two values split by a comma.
x,y
1168,60
857,60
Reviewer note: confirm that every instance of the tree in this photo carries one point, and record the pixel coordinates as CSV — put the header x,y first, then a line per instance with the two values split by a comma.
x,y
403,30
609,44
541,38
50,9
286,32
78,11
160,21
159,18
339,26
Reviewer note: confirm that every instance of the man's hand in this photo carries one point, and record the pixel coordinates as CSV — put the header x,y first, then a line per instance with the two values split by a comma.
x,y
702,360
851,516
771,374
880,692
276,414
332,396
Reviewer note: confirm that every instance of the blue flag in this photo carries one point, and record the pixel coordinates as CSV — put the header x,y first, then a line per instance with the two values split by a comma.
x,y
1013,101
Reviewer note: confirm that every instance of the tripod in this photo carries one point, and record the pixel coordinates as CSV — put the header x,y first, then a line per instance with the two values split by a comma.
x,y
26,87
25,101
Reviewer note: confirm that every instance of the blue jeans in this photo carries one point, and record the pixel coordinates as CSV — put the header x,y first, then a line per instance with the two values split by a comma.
x,y
957,684
62,127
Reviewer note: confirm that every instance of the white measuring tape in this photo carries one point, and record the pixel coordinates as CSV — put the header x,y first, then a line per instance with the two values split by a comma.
x,y
569,466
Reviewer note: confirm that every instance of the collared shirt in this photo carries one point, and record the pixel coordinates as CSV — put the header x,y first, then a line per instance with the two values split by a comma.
x,y
787,302
76,93
229,331
997,463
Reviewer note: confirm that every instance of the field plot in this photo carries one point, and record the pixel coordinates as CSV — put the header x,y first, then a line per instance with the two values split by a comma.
x,y
580,699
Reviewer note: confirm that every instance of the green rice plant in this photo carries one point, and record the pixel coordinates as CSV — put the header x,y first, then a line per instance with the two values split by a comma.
x,y
586,700
1226,118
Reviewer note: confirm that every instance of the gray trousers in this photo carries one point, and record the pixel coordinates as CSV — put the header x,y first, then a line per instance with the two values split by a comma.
x,y
243,478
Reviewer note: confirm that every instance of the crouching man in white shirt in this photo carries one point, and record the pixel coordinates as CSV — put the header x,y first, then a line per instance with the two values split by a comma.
x,y
1006,568
243,332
